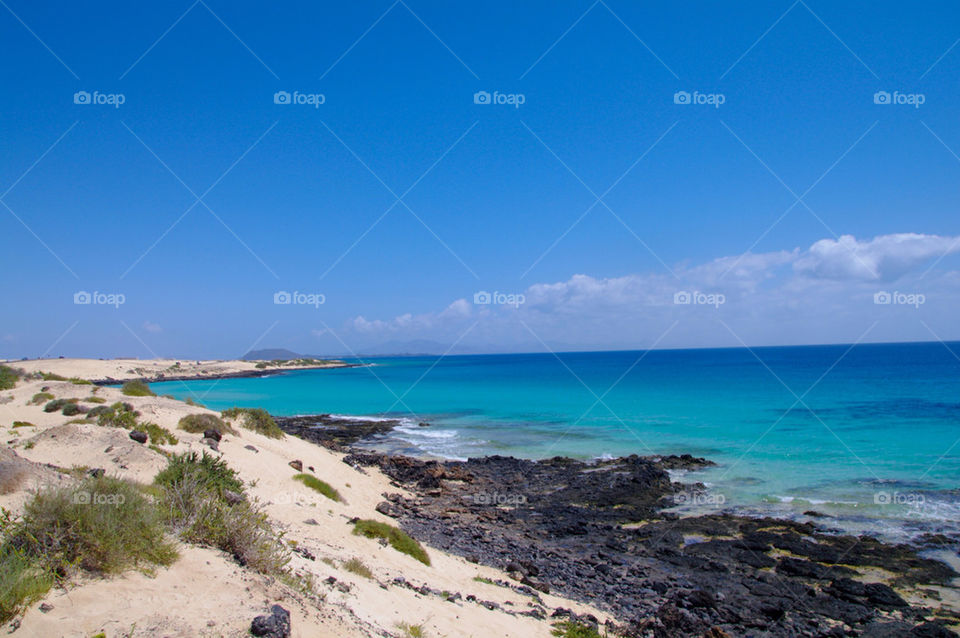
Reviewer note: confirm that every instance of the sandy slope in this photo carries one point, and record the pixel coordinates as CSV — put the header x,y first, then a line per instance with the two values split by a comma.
x,y
123,369
206,593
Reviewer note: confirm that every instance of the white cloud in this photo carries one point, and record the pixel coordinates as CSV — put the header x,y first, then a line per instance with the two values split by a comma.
x,y
820,294
152,327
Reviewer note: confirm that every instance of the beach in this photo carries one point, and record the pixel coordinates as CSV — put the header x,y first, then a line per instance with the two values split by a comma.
x,y
516,547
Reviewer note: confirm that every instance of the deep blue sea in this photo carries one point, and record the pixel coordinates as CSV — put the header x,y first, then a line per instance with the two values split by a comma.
x,y
869,434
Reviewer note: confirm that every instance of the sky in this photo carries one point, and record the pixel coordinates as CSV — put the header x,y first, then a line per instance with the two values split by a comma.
x,y
199,179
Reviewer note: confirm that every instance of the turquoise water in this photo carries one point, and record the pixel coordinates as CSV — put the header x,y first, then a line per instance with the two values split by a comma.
x,y
867,433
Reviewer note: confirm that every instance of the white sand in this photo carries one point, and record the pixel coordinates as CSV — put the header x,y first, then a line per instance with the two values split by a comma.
x,y
206,593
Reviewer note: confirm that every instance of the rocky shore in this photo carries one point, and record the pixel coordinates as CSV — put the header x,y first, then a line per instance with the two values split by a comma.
x,y
598,533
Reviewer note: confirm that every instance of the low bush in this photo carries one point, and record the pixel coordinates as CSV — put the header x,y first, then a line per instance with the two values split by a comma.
x,y
256,419
56,405
72,409
356,566
49,376
94,400
572,629
118,415
41,397
8,377
23,424
137,388
198,505
79,381
319,486
22,582
158,435
207,471
103,525
12,476
197,423
397,538
412,631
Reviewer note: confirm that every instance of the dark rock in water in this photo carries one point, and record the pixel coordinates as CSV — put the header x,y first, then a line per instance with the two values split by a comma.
x,y
297,465
335,433
139,437
276,625
212,433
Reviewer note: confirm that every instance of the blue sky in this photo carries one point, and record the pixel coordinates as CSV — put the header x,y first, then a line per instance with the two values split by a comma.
x,y
833,197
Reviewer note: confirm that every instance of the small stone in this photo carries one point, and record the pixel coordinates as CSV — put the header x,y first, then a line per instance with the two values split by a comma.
x,y
96,472
45,607
311,521
139,437
251,448
212,433
297,465
211,443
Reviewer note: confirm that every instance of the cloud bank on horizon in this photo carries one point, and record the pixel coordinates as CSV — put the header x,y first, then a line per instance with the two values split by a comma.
x,y
843,290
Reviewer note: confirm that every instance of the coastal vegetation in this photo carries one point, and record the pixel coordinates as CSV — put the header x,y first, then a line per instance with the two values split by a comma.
x,y
256,419
8,377
137,388
357,566
40,397
398,539
199,423
319,486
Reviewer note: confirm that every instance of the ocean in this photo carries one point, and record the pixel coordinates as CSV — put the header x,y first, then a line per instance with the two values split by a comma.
x,y
867,434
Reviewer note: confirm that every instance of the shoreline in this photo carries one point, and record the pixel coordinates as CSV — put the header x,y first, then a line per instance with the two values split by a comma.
x,y
225,375
555,527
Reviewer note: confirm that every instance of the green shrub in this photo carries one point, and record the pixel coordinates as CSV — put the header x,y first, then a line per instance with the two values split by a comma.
x,y
22,582
49,376
41,397
320,486
197,423
94,400
397,538
103,525
356,566
56,405
137,388
71,409
412,631
190,401
8,377
256,419
571,629
194,499
118,415
23,424
207,471
158,435
79,381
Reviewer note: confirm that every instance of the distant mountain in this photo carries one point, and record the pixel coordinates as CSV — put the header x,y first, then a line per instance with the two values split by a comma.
x,y
268,354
